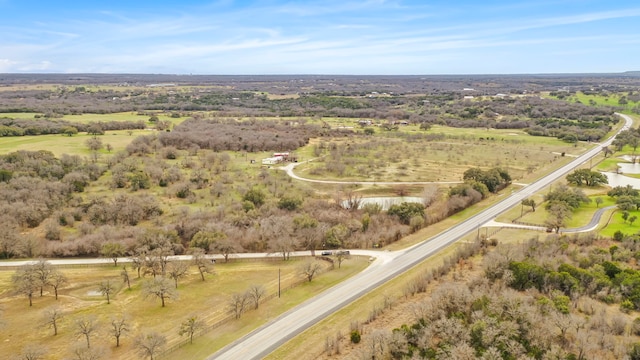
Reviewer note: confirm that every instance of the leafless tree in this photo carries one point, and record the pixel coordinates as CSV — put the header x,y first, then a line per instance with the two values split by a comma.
x,y
137,259
57,280
33,352
201,262
150,344
177,270
43,271
95,353
125,277
255,293
52,318
190,326
106,289
119,326
26,282
237,304
86,327
225,247
309,269
161,288
341,256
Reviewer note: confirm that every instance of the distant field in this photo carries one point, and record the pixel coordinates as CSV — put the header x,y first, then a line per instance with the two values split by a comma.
x,y
599,100
389,157
61,144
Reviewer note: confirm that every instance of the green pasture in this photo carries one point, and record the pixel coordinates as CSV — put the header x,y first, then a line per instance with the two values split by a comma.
x,y
60,144
600,100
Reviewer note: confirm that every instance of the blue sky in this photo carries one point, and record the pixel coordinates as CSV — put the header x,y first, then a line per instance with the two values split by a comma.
x,y
374,37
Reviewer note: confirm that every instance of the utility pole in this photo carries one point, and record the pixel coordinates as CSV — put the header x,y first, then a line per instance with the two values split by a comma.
x,y
278,283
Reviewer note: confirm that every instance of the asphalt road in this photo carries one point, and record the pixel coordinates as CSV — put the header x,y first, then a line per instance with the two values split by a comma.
x,y
269,337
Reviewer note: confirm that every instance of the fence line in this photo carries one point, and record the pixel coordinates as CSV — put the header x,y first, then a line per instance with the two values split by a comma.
x,y
231,317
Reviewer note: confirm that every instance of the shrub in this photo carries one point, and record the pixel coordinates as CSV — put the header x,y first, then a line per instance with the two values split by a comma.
x,y
355,336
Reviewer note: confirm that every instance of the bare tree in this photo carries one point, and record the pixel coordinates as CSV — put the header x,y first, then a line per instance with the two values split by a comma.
x,y
43,271
96,353
33,352
237,304
119,326
150,344
255,293
177,270
137,259
225,247
52,318
201,262
190,327
26,282
309,269
161,288
86,327
341,256
125,277
57,280
106,289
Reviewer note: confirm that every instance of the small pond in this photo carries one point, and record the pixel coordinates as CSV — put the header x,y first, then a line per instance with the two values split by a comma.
x,y
629,168
386,202
621,180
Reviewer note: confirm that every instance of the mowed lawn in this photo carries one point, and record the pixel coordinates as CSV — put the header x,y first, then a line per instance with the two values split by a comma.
x,y
208,300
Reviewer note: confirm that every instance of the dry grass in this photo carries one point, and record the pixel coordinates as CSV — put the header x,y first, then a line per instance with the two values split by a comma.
x,y
23,324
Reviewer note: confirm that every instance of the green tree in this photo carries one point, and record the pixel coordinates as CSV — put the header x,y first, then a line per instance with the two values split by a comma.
x,y
625,216
587,177
204,239
289,203
69,130
112,250
571,197
406,210
190,326
255,196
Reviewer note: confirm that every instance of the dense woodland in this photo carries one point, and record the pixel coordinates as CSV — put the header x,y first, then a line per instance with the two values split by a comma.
x,y
568,297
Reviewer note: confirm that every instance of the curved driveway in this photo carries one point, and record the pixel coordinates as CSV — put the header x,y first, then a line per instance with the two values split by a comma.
x,y
269,337
289,169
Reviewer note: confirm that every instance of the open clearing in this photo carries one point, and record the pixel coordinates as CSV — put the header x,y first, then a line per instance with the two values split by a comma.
x,y
208,300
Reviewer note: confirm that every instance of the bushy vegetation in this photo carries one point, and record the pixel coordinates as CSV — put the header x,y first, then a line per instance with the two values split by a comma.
x,y
566,297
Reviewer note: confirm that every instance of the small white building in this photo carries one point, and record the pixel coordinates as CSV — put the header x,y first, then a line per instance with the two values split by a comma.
x,y
273,160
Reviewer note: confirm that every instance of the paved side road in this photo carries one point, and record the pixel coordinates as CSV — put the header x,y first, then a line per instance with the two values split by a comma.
x,y
269,337
592,225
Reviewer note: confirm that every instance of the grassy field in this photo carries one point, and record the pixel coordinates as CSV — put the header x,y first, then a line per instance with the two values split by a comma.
x,y
71,145
389,157
208,299
600,100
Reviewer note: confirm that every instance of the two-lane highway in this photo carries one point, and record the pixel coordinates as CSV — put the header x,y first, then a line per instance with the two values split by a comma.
x,y
269,337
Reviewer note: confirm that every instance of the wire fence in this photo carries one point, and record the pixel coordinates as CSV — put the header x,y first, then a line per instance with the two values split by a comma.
x,y
229,318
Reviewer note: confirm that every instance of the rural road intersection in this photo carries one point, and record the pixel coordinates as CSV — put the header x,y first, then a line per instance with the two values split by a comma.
x,y
269,337
264,340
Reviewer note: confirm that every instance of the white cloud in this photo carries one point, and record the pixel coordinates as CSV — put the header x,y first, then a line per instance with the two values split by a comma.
x,y
6,65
